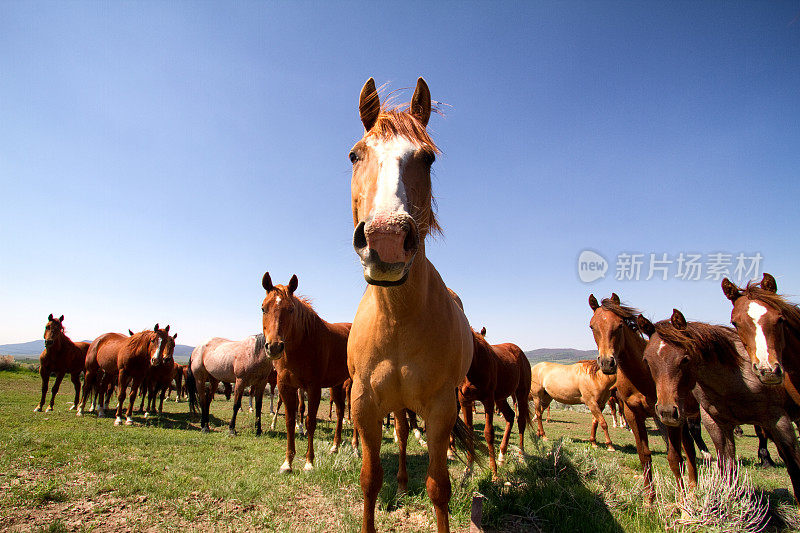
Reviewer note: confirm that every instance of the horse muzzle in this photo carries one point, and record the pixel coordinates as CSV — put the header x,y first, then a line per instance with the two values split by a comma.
x,y
769,375
607,364
386,245
275,349
669,414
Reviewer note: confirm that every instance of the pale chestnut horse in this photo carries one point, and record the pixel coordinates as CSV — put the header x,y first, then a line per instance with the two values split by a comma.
x,y
578,383
411,344
245,363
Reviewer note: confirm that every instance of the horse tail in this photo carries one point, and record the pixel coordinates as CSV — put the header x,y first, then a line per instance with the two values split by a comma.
x,y
191,388
464,441
524,391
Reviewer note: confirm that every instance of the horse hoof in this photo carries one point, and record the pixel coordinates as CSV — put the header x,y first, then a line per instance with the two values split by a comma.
x,y
231,432
594,444
285,468
118,421
544,438
205,429
129,422
258,433
48,409
79,413
38,409
72,408
451,456
610,448
335,448
706,456
308,467
146,415
501,459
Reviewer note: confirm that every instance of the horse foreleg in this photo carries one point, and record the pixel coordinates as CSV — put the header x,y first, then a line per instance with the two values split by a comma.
x,y
488,433
367,422
289,397
238,391
56,385
314,396
439,424
44,372
687,440
401,428
674,457
763,451
88,388
259,394
276,411
598,418
337,397
122,380
786,441
134,387
637,425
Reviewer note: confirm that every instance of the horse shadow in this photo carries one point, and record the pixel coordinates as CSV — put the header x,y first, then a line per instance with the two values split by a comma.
x,y
183,420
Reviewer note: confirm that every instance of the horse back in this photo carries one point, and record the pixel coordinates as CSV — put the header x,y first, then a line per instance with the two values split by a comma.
x,y
103,352
514,369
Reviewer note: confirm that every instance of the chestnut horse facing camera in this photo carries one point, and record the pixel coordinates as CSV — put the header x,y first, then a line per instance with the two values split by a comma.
x,y
769,327
127,358
620,348
411,345
61,356
691,360
308,353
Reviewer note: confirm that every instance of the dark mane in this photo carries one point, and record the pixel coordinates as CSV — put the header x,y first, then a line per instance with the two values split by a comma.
x,y
396,121
700,340
261,341
790,311
622,311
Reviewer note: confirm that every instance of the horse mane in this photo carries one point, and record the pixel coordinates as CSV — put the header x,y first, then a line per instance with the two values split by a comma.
x,y
261,342
397,121
627,313
790,311
700,339
306,316
589,366
138,342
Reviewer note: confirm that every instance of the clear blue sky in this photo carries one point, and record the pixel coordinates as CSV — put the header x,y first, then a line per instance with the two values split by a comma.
x,y
156,158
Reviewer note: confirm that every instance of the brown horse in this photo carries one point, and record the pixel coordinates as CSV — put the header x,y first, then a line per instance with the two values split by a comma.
x,y
709,363
411,344
769,327
60,355
614,405
157,381
127,358
497,372
310,354
620,348
177,382
579,383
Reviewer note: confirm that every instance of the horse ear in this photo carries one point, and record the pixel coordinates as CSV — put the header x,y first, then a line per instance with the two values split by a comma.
x,y
768,283
175,336
593,302
678,320
645,325
483,331
130,332
293,284
50,317
421,102
266,282
62,316
156,328
731,291
615,298
369,105
166,330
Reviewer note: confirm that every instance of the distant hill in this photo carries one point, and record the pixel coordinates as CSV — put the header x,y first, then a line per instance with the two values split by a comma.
x,y
559,355
32,349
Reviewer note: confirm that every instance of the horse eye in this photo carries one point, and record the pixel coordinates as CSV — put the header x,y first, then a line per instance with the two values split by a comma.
x,y
353,157
733,323
781,320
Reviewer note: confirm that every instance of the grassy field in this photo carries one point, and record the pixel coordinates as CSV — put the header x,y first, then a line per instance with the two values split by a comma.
x,y
63,473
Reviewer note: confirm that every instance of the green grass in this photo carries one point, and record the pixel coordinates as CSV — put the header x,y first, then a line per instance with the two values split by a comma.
x,y
59,472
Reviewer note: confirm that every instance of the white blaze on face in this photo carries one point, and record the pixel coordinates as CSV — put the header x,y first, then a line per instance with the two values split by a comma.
x,y
392,156
756,311
660,347
277,300
158,348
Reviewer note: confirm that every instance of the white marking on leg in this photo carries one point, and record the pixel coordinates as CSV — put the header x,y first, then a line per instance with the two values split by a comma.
x,y
285,467
49,408
118,421
129,421
308,467
335,449
501,458
756,311
417,434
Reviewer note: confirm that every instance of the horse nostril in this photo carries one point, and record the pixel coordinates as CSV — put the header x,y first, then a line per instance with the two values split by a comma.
x,y
359,237
675,413
411,241
778,370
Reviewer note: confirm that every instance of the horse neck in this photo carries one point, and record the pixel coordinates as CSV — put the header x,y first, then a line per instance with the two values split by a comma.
x,y
305,330
411,296
631,363
791,359
60,345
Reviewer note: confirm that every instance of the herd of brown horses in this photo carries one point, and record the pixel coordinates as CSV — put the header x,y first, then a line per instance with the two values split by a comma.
x,y
410,349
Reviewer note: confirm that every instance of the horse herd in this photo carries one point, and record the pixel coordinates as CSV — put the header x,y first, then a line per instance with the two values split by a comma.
x,y
410,348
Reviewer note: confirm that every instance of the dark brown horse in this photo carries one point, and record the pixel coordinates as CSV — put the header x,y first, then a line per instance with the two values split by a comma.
x,y
128,358
620,348
157,381
497,372
708,362
308,353
61,356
